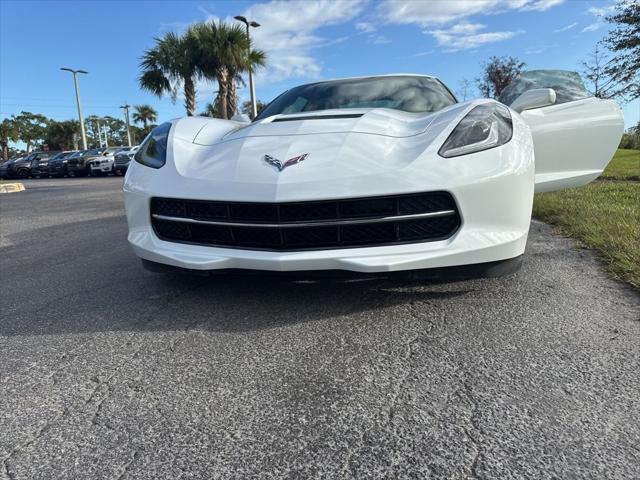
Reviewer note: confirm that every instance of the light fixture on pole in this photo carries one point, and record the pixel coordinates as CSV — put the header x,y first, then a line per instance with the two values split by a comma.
x,y
125,107
254,109
80,118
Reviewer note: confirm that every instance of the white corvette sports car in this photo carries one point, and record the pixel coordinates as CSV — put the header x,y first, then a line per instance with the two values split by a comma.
x,y
372,174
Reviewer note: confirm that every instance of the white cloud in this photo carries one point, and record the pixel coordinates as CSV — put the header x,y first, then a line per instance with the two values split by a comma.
x,y
378,39
593,26
599,13
540,5
568,27
464,36
537,49
288,33
424,54
437,16
428,14
365,27
435,13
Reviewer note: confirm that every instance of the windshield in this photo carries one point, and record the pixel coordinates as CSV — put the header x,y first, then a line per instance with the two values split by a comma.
x,y
406,93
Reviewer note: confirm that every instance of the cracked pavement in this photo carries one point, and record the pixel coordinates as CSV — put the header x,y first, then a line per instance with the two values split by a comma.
x,y
110,372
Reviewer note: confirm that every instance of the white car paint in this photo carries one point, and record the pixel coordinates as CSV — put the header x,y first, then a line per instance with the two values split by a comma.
x,y
384,152
573,141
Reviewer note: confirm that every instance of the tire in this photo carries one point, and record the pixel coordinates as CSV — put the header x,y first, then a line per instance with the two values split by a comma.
x,y
22,173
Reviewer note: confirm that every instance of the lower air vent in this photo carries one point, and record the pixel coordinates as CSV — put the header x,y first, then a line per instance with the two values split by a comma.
x,y
317,225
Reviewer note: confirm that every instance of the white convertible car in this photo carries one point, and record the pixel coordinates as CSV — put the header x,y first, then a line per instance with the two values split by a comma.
x,y
374,174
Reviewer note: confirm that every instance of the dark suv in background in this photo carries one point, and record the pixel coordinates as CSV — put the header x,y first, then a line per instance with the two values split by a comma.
x,y
78,165
40,163
57,166
21,167
122,159
6,166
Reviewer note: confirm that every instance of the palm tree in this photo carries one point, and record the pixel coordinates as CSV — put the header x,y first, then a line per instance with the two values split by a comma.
x,y
171,63
8,133
144,114
210,110
223,57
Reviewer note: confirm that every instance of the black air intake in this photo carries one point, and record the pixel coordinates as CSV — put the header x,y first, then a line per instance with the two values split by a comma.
x,y
318,225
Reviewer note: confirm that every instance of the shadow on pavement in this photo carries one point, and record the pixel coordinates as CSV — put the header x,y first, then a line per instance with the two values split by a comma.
x,y
83,277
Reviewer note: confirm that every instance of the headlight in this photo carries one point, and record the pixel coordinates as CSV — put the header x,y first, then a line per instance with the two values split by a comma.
x,y
153,151
484,127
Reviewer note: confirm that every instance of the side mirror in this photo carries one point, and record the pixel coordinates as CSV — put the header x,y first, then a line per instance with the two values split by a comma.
x,y
536,98
241,118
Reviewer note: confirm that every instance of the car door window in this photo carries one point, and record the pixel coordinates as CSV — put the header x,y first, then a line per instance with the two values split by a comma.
x,y
567,85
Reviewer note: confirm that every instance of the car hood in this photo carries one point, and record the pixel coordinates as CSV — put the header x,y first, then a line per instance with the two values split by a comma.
x,y
381,143
378,121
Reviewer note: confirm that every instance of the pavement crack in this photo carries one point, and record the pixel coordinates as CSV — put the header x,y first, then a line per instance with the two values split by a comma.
x,y
350,453
41,432
127,466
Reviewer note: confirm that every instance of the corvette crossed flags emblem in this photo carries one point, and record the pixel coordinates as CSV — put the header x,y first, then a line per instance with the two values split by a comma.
x,y
280,165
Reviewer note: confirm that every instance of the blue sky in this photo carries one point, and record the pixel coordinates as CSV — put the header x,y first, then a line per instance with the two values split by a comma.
x,y
304,40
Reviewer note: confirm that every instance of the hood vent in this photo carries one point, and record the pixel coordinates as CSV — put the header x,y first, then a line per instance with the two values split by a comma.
x,y
318,117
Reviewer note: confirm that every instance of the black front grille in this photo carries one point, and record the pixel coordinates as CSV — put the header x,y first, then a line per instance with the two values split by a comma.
x,y
346,223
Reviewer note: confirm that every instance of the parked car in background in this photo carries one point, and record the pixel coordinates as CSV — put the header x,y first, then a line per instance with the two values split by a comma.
x,y
5,166
103,164
40,163
122,159
21,167
57,166
78,165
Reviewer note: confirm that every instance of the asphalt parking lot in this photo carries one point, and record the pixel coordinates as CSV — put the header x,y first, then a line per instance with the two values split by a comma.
x,y
110,372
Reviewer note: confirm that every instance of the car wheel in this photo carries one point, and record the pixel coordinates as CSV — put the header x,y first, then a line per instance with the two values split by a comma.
x,y
22,173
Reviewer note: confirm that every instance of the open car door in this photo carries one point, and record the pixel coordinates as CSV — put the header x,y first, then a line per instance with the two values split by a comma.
x,y
574,135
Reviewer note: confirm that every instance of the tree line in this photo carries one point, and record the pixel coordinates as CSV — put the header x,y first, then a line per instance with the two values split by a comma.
x,y
36,130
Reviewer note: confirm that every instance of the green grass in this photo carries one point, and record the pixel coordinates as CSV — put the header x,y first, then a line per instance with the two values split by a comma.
x,y
604,215
624,166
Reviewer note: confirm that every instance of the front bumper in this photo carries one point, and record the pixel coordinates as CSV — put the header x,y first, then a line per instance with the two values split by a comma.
x,y
102,168
493,191
57,169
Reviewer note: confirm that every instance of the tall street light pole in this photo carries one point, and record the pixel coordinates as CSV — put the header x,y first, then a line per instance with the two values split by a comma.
x,y
99,132
254,108
75,82
125,107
